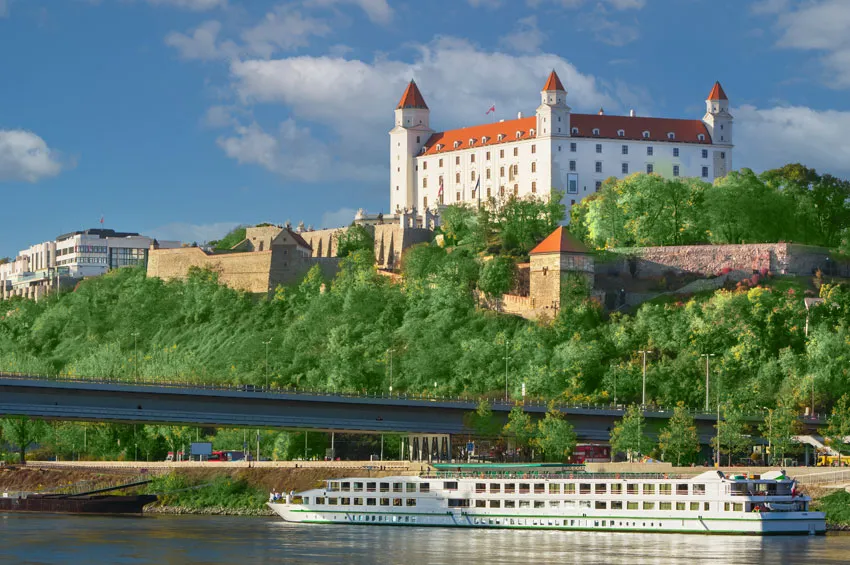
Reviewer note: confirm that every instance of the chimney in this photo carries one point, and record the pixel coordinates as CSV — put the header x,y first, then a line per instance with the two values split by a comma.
x,y
601,111
632,113
502,120
519,115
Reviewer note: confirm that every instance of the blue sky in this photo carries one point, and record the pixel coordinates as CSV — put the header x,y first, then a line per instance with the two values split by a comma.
x,y
183,118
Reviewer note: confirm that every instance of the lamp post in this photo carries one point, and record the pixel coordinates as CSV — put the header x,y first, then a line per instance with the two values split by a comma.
x,y
390,353
266,343
506,368
707,357
643,394
135,357
769,431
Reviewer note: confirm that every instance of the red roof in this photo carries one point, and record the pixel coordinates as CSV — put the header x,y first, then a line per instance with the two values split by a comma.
x,y
298,239
717,93
509,128
554,83
560,241
412,98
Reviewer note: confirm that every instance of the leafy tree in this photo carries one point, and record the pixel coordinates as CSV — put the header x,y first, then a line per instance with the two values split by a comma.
x,y
355,238
556,437
22,432
628,435
838,424
779,428
497,276
458,223
523,222
732,432
520,427
482,421
230,239
679,440
177,437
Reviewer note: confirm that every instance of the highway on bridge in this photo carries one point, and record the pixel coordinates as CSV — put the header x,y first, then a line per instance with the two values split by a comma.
x,y
234,406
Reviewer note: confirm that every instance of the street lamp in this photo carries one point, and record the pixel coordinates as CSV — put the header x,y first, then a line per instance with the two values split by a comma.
x,y
506,368
266,343
769,431
643,395
707,356
390,353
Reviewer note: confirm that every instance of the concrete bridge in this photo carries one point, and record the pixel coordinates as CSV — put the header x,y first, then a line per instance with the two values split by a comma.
x,y
234,406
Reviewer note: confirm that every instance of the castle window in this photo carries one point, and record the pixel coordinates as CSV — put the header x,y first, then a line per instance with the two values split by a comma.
x,y
518,134
425,182
650,168
649,151
705,153
516,170
417,139
534,148
516,190
457,177
598,166
424,165
573,147
472,175
625,168
532,131
646,135
671,135
488,193
423,150
595,131
501,153
621,133
598,185
472,158
533,167
457,196
599,148
533,187
471,141
440,146
457,160
487,156
675,152
516,151
625,149
572,166
501,191
425,203
501,171
701,137
485,139
488,174
705,172
441,162
441,180
675,170
457,144
722,154
500,137
575,131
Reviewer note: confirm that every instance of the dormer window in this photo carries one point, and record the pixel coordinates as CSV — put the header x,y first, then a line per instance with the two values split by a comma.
x,y
621,133
457,144
471,141
574,131
439,147
518,134
485,139
422,151
701,137
671,135
646,135
532,132
595,131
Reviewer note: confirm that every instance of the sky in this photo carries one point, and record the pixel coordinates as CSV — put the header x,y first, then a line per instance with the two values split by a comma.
x,y
184,118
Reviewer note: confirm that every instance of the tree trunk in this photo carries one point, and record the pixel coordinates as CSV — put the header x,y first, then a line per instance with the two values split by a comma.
x,y
23,455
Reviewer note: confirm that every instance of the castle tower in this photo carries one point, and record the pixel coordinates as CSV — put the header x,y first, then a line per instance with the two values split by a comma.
x,y
412,129
553,114
718,121
553,262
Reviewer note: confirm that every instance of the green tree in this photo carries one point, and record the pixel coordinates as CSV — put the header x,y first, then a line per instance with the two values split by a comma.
x,y
497,276
628,435
556,437
838,424
520,427
779,428
732,433
679,441
482,421
22,432
523,222
355,238
458,223
230,239
178,438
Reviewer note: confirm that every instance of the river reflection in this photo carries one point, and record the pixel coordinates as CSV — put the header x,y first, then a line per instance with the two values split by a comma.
x,y
54,539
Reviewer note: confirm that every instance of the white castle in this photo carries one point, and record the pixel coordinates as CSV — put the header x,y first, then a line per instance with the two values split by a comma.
x,y
553,150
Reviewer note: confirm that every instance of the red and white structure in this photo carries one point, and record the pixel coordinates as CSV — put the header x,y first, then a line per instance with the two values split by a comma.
x,y
554,149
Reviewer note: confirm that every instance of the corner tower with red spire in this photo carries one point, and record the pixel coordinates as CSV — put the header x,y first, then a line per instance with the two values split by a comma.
x,y
412,129
553,114
718,122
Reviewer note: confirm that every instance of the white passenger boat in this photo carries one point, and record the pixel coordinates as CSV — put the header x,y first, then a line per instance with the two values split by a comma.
x,y
709,503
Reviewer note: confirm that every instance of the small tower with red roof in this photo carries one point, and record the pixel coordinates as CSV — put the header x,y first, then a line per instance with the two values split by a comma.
x,y
558,257
718,122
553,114
412,129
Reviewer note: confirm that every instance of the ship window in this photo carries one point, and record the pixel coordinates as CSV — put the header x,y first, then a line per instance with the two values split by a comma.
x,y
554,504
665,505
495,504
699,489
410,487
539,488
601,488
584,488
737,506
332,501
570,488
540,504
320,500
648,489
706,506
410,502
450,485
695,506
481,504
617,489
523,488
458,503
358,487
726,506
617,505
370,501
396,487
495,487
424,487
631,506
682,489
569,504
649,506
480,487
680,506
600,505
385,502
584,504
345,501
334,486
510,504
358,502
370,487
631,488
665,489
555,488
305,500
346,486
510,488
396,502
524,504
385,487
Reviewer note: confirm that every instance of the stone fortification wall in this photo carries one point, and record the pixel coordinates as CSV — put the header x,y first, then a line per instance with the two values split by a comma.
x,y
713,260
242,271
390,241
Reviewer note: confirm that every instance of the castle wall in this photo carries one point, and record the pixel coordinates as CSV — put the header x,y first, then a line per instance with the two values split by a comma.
x,y
243,271
391,239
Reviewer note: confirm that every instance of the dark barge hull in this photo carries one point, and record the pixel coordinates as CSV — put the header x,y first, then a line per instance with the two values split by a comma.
x,y
102,504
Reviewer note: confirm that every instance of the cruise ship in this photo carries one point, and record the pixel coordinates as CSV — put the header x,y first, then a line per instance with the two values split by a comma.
x,y
538,497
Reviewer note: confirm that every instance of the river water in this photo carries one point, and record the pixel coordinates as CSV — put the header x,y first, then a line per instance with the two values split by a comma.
x,y
58,539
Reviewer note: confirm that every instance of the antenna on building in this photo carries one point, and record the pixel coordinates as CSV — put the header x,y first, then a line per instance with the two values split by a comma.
x,y
632,113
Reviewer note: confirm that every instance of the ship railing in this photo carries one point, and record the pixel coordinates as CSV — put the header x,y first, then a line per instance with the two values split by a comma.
x,y
575,475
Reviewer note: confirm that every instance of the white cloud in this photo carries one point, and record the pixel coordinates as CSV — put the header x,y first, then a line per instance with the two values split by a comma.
x,y
820,25
770,6
491,4
379,11
526,37
608,29
221,116
616,4
24,156
194,5
4,8
283,28
338,218
772,137
201,43
188,233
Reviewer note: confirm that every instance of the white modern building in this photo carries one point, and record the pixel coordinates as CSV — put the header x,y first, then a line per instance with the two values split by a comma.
x,y
73,256
555,149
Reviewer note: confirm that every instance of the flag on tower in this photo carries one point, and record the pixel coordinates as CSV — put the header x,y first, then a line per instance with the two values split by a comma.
x,y
491,109
101,220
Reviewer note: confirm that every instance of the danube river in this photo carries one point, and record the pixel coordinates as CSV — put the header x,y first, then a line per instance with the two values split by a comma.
x,y
43,539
